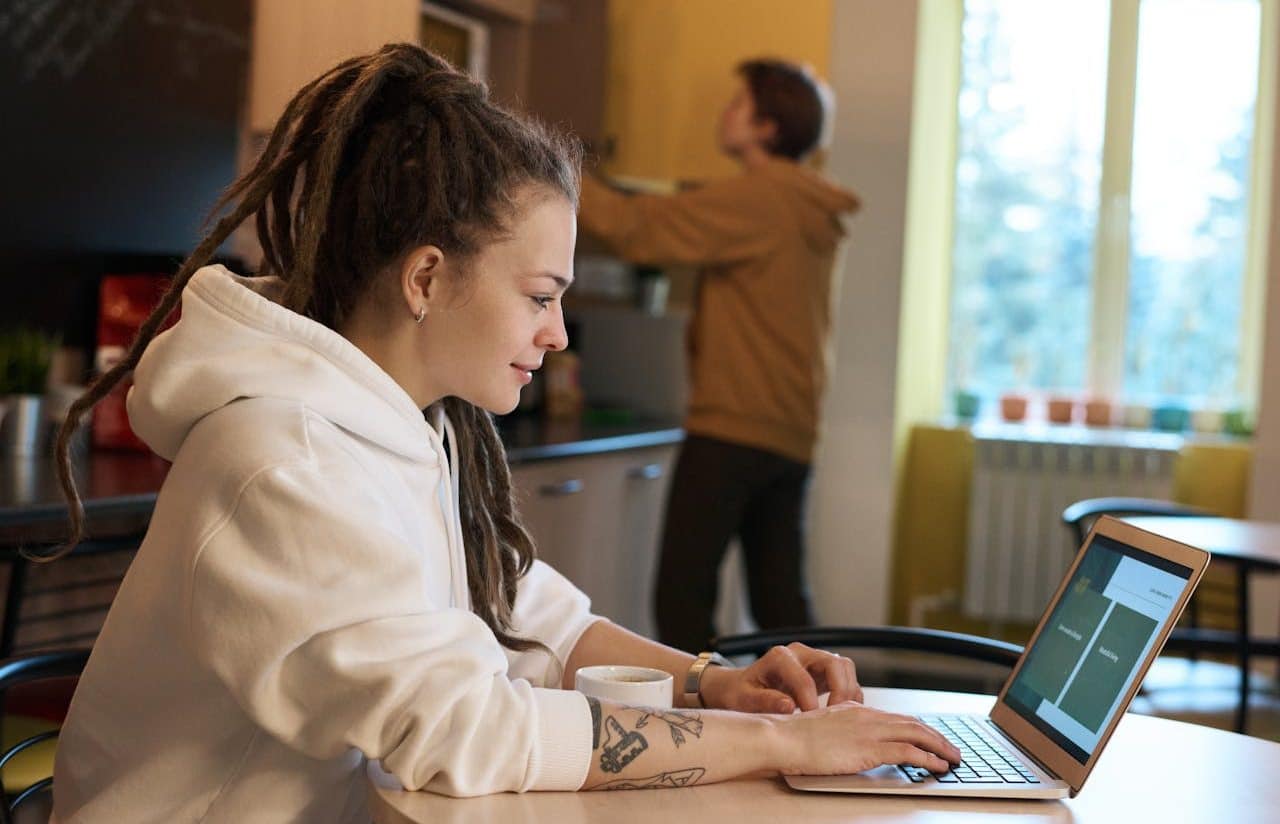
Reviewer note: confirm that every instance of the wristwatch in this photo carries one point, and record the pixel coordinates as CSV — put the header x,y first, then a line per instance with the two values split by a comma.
x,y
693,678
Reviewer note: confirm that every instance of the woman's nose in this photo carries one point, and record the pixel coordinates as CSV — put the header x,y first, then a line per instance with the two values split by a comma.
x,y
553,336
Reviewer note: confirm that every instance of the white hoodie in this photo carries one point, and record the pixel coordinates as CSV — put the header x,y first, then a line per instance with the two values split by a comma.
x,y
300,602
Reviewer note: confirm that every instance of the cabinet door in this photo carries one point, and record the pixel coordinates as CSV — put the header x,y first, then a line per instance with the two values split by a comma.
x,y
569,41
597,520
569,505
295,40
646,477
671,72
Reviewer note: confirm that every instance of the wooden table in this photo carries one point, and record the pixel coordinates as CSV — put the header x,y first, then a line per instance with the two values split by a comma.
x,y
1250,547
1154,770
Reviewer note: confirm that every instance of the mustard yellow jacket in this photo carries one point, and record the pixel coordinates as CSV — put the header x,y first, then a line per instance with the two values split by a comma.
x,y
759,344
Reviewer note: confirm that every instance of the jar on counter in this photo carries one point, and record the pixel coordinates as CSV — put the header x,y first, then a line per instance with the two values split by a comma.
x,y
562,388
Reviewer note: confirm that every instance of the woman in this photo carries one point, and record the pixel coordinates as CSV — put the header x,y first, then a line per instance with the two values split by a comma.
x,y
334,571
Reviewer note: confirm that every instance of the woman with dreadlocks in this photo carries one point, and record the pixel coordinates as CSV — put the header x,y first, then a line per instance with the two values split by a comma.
x,y
334,572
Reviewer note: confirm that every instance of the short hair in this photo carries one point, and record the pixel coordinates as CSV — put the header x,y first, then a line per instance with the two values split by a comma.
x,y
795,100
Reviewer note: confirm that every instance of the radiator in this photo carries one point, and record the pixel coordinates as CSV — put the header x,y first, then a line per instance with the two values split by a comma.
x,y
1018,547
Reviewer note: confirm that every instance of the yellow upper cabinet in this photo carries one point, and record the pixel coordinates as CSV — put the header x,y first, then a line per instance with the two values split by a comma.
x,y
295,40
671,71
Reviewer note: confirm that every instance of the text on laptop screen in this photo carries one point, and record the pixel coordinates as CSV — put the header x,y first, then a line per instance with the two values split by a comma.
x,y
1088,653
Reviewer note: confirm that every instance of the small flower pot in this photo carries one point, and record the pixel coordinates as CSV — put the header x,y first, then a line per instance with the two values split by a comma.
x,y
966,404
1207,421
1170,418
1098,413
1061,410
1137,416
1237,422
1013,407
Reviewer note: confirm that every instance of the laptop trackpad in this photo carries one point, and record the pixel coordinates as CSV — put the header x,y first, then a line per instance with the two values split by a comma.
x,y
884,776
885,773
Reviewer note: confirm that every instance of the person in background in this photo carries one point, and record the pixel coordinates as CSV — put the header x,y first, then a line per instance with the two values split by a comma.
x,y
334,572
765,241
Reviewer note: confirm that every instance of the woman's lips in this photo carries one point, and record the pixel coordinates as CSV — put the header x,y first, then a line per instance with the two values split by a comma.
x,y
526,374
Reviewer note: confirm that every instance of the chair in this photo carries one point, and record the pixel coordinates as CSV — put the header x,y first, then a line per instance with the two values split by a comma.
x,y
1079,516
972,648
21,671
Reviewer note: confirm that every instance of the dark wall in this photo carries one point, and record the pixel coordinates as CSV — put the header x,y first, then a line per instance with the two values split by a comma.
x,y
121,125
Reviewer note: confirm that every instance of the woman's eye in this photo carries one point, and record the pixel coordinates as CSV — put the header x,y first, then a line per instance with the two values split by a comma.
x,y
543,301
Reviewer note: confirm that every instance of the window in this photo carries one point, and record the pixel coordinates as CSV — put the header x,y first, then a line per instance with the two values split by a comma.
x,y
1102,218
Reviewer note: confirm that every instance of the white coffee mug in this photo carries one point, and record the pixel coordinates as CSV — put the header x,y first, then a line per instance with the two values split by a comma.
x,y
635,686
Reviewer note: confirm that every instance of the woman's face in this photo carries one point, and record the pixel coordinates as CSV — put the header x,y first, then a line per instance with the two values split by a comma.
x,y
487,330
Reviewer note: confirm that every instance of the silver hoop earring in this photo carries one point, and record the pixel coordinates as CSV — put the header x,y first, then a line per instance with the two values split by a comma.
x,y
422,313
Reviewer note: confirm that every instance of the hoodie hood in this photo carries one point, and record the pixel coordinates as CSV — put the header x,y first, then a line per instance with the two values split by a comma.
x,y
234,341
826,203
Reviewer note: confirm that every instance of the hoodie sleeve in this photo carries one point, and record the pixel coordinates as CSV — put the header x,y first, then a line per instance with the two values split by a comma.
x,y
316,619
720,222
550,609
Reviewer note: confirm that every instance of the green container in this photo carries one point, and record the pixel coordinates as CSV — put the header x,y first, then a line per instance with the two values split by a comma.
x,y
966,404
1170,417
1237,422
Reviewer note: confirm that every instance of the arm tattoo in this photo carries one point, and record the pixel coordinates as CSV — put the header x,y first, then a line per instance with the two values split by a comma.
x,y
676,778
680,723
594,704
620,746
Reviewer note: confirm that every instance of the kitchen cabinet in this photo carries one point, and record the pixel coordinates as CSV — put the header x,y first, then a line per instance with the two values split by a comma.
x,y
295,40
569,49
671,71
597,519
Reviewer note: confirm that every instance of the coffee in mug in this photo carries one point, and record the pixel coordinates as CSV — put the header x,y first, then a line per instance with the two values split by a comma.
x,y
636,686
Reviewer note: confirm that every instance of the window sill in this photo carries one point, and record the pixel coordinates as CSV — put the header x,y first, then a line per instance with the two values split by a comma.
x,y
988,429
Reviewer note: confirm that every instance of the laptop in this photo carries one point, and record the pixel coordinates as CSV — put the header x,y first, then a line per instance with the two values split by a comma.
x,y
1099,634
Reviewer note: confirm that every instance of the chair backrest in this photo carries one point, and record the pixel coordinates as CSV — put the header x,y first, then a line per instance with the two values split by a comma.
x,y
1079,516
23,670
915,639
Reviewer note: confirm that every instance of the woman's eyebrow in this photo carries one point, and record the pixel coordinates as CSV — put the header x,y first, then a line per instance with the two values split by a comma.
x,y
561,281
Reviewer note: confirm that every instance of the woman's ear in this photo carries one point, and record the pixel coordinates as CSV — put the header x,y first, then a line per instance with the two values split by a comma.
x,y
422,279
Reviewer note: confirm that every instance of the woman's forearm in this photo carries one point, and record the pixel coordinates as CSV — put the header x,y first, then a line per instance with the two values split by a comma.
x,y
639,747
635,747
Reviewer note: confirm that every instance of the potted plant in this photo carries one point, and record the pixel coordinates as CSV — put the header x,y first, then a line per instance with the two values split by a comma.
x,y
25,355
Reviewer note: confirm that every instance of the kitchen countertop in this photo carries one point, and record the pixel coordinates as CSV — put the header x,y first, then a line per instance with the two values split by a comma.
x,y
534,439
119,488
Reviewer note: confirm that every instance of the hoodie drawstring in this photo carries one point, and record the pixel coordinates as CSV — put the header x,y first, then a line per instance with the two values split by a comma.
x,y
453,515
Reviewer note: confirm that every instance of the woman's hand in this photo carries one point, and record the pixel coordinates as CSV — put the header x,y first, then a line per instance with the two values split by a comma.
x,y
781,680
851,738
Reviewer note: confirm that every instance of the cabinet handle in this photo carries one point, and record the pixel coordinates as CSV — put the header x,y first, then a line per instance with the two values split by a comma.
x,y
647,472
558,490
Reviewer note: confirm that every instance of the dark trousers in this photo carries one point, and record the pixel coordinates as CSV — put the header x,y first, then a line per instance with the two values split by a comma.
x,y
720,490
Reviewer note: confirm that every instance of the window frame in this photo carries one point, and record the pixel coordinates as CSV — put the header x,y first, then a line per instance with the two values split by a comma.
x,y
927,265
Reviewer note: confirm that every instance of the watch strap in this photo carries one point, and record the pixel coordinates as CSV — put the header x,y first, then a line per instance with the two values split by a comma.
x,y
693,678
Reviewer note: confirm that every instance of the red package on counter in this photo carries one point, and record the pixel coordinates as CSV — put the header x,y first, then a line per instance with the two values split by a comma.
x,y
125,303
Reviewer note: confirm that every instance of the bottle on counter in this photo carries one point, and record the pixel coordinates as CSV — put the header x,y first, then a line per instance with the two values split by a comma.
x,y
562,387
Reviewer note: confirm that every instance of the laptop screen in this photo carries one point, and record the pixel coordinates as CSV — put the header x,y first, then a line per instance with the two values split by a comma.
x,y
1087,656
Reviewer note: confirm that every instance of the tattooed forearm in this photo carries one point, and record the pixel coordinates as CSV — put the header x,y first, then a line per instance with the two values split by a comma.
x,y
676,778
620,747
680,723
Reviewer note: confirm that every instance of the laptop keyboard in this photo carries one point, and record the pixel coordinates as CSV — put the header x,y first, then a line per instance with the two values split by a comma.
x,y
984,760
